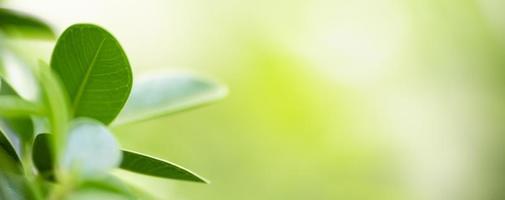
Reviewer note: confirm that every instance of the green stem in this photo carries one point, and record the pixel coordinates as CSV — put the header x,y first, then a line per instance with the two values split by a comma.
x,y
29,173
65,186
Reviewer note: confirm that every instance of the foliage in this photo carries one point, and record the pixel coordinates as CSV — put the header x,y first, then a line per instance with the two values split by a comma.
x,y
59,145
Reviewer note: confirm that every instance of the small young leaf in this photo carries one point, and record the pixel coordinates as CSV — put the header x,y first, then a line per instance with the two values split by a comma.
x,y
42,157
95,71
91,148
17,24
164,94
143,164
13,106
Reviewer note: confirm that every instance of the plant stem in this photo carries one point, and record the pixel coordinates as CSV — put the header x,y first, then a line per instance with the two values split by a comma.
x,y
29,173
66,185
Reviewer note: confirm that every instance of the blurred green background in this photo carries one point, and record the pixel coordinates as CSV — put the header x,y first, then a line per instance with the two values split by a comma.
x,y
329,99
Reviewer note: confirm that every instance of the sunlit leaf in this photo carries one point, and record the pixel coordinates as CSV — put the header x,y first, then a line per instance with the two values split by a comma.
x,y
164,94
147,165
18,24
42,157
19,76
94,70
91,148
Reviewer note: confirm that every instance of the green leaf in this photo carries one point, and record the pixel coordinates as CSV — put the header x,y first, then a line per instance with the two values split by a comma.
x,y
42,157
164,94
17,24
94,70
13,106
91,148
143,164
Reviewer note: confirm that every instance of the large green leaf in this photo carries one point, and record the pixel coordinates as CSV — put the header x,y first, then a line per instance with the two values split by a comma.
x,y
17,24
163,94
143,164
91,148
42,157
95,71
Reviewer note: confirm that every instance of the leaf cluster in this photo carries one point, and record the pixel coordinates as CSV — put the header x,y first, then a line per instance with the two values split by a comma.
x,y
59,145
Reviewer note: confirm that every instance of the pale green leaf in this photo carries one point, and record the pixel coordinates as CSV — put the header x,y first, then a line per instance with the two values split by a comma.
x,y
94,70
13,106
91,148
164,94
56,102
136,162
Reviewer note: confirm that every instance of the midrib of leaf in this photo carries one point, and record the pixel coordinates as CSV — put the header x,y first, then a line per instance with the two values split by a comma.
x,y
86,76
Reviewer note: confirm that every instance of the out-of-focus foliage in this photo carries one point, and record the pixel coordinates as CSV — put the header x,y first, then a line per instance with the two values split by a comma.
x,y
79,94
330,99
171,93
16,24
